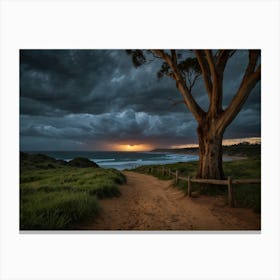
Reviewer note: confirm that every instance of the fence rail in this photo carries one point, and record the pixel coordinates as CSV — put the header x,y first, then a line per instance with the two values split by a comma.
x,y
229,182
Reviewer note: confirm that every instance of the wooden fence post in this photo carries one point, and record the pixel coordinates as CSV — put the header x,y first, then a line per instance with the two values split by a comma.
x,y
189,186
230,196
176,177
163,171
169,171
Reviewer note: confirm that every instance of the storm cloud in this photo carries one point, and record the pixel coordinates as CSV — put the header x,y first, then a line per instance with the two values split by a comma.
x,y
90,99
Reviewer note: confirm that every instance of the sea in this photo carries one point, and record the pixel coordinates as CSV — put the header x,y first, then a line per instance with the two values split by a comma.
x,y
121,160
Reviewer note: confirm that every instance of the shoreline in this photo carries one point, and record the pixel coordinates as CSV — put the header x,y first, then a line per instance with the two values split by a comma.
x,y
129,163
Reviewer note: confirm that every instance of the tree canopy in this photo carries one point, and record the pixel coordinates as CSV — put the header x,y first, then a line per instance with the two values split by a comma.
x,y
185,68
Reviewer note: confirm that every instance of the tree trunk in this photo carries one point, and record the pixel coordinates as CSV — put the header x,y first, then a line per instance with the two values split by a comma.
x,y
210,153
212,123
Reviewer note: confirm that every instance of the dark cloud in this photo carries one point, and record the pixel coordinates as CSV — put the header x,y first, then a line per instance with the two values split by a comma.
x,y
85,98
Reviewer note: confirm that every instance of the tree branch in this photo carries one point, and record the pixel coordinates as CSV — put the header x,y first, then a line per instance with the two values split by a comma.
x,y
174,56
253,58
205,71
153,54
222,59
216,98
210,60
248,83
193,82
192,105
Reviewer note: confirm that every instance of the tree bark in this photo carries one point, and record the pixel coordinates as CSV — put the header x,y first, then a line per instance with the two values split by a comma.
x,y
210,153
212,124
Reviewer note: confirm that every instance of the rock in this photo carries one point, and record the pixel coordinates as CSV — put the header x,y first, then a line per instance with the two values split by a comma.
x,y
82,162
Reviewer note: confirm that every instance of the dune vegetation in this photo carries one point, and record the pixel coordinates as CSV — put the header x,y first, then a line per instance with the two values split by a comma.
x,y
61,196
248,196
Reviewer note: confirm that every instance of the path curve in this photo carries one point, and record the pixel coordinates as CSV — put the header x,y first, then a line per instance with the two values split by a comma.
x,y
148,203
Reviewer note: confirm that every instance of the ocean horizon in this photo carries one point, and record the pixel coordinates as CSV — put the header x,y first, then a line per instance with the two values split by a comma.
x,y
120,160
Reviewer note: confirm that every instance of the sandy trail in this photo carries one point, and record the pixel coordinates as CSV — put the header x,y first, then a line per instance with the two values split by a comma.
x,y
148,203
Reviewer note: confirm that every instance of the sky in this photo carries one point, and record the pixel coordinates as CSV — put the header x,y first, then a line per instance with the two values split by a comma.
x,y
97,100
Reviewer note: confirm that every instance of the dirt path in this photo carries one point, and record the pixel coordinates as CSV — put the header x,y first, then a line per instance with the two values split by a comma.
x,y
147,203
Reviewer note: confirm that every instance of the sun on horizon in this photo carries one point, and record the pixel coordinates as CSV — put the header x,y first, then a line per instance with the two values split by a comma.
x,y
132,147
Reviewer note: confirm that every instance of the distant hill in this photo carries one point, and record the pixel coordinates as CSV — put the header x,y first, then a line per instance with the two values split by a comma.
x,y
82,162
41,161
242,149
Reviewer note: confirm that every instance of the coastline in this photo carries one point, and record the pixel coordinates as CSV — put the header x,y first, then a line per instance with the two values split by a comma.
x,y
232,152
88,189
225,156
127,161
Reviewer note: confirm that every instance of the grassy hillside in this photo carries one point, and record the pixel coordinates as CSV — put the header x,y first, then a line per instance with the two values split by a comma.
x,y
41,161
57,196
242,149
248,196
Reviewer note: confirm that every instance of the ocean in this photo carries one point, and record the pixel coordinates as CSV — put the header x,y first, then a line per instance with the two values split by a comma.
x,y
121,160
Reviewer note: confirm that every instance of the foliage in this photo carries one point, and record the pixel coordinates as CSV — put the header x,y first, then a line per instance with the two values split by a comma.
x,y
248,196
58,198
82,163
100,182
242,149
56,210
185,67
42,161
39,161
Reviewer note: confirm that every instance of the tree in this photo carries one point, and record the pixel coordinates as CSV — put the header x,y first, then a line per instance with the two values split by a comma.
x,y
210,65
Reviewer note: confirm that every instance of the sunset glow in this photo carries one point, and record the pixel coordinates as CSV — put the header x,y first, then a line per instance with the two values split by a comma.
x,y
132,147
137,115
226,142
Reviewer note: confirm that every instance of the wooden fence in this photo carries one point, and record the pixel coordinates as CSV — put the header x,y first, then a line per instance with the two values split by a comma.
x,y
229,182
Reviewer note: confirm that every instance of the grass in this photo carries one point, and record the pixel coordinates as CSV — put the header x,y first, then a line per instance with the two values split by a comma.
x,y
56,210
100,182
60,197
247,196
